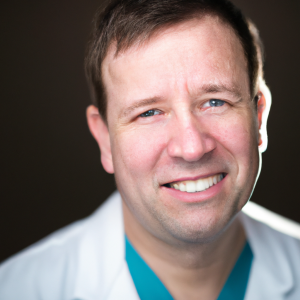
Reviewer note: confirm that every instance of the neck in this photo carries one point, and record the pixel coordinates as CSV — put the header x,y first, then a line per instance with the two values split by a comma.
x,y
188,270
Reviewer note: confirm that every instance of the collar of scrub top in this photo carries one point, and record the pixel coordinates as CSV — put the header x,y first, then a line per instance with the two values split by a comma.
x,y
149,286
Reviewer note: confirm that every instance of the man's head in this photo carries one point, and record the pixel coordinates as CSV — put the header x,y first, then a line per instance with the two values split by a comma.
x,y
182,130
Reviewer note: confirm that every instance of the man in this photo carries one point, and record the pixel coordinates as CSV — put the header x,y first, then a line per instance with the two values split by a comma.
x,y
180,119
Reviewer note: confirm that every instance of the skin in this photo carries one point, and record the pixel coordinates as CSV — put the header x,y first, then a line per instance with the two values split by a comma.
x,y
192,246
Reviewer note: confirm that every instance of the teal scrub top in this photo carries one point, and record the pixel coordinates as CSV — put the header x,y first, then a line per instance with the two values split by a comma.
x,y
149,286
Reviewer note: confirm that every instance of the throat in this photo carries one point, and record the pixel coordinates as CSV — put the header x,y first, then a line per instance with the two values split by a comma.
x,y
193,271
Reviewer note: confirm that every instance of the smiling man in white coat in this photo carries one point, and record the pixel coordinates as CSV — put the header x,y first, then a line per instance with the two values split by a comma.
x,y
180,111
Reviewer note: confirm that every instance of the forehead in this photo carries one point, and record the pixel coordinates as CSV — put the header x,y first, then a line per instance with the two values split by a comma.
x,y
185,56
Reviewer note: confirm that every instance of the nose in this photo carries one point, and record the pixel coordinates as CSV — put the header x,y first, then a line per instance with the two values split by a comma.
x,y
189,139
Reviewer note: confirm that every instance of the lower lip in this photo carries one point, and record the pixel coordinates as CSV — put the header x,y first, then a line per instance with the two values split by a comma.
x,y
197,196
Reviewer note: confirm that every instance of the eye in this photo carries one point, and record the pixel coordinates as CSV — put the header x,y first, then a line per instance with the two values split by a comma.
x,y
150,113
214,103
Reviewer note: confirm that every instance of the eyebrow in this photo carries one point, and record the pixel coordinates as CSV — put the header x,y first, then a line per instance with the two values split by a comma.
x,y
219,88
138,104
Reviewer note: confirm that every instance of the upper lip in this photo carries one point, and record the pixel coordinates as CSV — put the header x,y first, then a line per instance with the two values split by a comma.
x,y
193,178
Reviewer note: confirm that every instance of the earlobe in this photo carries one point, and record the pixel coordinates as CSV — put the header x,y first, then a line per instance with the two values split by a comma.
x,y
261,105
99,131
263,109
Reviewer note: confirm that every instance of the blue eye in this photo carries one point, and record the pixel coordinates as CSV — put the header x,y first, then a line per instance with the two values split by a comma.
x,y
216,102
149,113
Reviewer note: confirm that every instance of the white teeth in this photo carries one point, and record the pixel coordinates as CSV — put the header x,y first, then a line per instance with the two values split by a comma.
x,y
197,185
191,186
206,184
215,179
182,187
200,185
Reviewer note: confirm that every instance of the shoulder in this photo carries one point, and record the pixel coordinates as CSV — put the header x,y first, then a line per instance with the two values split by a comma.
x,y
49,269
269,229
272,220
275,242
41,265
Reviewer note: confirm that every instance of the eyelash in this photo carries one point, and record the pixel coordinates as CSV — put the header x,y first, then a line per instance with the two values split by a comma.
x,y
154,112
144,114
214,100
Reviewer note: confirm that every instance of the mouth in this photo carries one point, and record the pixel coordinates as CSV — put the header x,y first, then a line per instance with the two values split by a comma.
x,y
199,185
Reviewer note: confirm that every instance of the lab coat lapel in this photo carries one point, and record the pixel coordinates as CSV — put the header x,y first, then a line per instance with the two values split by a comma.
x,y
123,287
102,269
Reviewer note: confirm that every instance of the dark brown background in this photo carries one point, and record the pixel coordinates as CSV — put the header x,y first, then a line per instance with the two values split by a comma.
x,y
50,169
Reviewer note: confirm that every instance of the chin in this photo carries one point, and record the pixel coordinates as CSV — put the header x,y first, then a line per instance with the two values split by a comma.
x,y
199,228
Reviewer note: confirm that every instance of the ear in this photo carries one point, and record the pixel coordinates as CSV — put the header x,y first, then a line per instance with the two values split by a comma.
x,y
263,109
99,130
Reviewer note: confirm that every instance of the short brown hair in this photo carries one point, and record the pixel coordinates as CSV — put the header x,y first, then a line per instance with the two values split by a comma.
x,y
128,22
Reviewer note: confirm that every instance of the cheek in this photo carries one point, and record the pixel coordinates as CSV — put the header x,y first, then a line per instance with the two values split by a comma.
x,y
236,139
236,134
139,150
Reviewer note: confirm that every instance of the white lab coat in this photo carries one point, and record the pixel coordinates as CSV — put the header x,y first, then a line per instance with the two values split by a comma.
x,y
86,260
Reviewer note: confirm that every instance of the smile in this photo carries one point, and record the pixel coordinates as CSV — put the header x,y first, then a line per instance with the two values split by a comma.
x,y
199,185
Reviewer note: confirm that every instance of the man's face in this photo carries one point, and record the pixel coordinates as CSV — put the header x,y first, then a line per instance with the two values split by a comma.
x,y
179,111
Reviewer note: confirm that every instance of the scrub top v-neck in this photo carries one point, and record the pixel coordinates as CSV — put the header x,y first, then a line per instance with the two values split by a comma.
x,y
150,287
